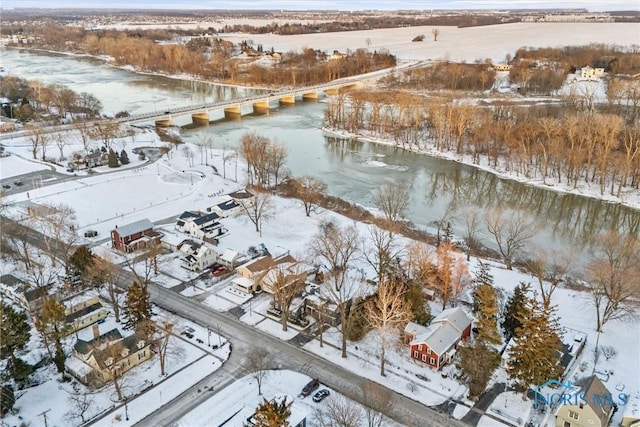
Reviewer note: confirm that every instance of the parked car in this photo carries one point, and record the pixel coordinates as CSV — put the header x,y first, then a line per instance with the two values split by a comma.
x,y
6,186
90,233
310,387
319,396
219,270
18,183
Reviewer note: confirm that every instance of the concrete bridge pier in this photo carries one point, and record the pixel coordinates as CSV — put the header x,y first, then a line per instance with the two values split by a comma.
x,y
200,118
261,108
288,100
310,96
233,113
164,123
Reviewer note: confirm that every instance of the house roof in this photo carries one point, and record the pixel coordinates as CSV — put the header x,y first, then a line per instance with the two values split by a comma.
x,y
241,194
85,347
37,293
188,214
415,328
229,255
206,218
455,316
83,312
134,227
228,205
259,264
440,337
592,388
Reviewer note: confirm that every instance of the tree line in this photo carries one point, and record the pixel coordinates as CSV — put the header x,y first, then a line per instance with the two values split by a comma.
x,y
209,58
570,145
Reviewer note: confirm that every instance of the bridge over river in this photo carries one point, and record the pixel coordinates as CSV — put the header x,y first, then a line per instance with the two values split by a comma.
x,y
260,104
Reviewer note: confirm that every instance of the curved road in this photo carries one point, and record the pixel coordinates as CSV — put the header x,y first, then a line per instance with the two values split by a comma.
x,y
285,355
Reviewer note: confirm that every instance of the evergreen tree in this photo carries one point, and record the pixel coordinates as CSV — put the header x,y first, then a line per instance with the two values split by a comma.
x,y
7,399
482,277
476,364
52,324
487,315
272,413
448,233
113,159
82,259
124,158
14,336
517,303
137,309
533,358
420,311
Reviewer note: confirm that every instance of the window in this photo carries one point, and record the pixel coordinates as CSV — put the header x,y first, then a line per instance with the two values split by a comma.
x,y
573,415
420,347
428,351
432,361
566,424
581,405
424,358
415,354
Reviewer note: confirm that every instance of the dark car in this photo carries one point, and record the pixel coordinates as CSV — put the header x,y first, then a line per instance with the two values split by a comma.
x,y
90,233
310,387
319,396
18,183
6,186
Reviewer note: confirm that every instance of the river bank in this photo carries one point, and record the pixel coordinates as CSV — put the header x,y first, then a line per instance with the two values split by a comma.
x,y
629,199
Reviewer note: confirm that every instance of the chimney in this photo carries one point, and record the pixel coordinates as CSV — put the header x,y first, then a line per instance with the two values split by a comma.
x,y
96,331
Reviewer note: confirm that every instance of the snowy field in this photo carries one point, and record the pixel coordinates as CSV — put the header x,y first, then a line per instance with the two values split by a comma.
x,y
455,44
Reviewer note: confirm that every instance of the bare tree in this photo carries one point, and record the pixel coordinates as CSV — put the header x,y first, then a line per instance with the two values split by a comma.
x,y
451,275
387,314
336,248
286,283
393,200
37,138
608,351
381,251
104,275
258,363
164,332
377,401
310,190
81,404
472,225
258,208
107,132
510,233
550,269
61,141
613,278
338,412
436,33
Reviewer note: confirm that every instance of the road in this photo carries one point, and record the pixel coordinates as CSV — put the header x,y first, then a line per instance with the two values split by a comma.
x,y
285,356
243,339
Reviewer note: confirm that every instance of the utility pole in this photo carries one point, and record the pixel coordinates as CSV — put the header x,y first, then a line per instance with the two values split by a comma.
x,y
43,414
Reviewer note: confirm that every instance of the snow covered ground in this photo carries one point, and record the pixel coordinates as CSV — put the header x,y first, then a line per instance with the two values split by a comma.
x,y
455,44
163,190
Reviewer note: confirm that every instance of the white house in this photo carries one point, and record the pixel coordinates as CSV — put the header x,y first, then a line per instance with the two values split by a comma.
x,y
199,256
205,227
590,73
226,209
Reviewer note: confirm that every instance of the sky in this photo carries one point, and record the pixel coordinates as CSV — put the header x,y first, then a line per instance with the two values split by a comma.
x,y
592,5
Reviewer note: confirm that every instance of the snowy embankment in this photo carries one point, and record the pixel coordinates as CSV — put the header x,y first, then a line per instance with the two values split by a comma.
x,y
630,197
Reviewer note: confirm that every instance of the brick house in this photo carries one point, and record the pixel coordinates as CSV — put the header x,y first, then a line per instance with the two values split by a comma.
x,y
134,236
435,345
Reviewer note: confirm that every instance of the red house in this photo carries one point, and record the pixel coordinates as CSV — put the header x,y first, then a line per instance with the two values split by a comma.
x,y
134,236
435,345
